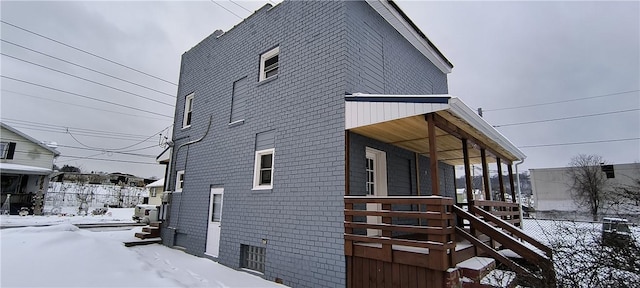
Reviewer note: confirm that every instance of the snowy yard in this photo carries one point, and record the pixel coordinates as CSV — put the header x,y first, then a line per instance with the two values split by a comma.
x,y
114,215
63,255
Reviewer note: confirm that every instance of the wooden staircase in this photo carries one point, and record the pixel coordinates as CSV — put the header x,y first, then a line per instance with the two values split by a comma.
x,y
150,231
494,237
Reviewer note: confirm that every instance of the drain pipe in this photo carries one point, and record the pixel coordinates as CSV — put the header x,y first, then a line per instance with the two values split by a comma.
x,y
185,166
519,193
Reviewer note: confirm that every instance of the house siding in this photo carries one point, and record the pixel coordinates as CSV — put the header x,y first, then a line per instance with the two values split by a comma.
x,y
301,217
27,152
405,69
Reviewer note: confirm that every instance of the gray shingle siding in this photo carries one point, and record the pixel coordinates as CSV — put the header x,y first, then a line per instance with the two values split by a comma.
x,y
301,218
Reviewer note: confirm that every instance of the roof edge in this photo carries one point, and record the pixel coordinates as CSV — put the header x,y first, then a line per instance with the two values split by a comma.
x,y
22,134
390,11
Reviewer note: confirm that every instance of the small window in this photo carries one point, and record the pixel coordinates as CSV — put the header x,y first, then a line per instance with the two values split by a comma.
x,y
7,149
253,258
180,181
263,170
4,148
188,108
269,63
153,192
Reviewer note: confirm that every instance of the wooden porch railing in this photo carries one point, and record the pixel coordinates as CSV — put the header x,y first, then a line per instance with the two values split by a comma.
x,y
430,224
507,211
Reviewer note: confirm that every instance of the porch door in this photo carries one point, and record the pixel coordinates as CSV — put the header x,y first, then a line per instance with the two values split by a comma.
x,y
215,215
376,184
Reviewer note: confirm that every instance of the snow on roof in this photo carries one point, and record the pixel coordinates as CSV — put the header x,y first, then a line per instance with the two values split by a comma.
x,y
159,183
23,169
39,143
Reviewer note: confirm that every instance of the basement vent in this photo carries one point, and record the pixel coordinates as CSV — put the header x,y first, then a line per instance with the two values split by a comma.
x,y
252,257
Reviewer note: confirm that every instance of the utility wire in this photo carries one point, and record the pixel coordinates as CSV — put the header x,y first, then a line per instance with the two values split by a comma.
x,y
86,52
88,80
214,2
83,106
87,68
567,118
240,6
84,130
102,159
579,143
123,148
84,96
561,101
77,133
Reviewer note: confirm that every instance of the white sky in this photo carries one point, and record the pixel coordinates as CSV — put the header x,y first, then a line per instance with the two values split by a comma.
x,y
506,54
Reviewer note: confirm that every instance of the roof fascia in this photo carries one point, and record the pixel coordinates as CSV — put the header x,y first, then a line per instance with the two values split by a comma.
x,y
25,136
415,37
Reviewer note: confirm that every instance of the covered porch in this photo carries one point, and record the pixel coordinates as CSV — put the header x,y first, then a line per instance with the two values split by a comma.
x,y
415,233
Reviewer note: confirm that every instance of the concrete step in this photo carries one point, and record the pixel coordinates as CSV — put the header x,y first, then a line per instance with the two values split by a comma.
x,y
155,224
476,268
144,235
149,229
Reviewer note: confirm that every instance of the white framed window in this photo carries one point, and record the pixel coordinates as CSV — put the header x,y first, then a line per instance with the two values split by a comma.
x,y
188,108
179,181
4,148
269,63
263,169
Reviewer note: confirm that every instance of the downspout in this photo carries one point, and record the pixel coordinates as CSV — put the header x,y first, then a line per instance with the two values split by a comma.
x,y
185,166
519,193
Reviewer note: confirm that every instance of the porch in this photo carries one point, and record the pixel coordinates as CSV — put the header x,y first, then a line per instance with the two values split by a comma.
x,y
417,239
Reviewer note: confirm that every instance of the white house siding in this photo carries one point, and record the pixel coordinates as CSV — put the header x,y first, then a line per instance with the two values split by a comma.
x,y
27,153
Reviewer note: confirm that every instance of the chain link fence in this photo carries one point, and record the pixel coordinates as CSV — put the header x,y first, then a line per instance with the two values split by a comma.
x,y
62,196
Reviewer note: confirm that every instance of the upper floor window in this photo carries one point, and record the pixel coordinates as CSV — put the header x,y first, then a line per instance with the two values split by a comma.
x,y
188,108
269,63
7,150
180,181
263,170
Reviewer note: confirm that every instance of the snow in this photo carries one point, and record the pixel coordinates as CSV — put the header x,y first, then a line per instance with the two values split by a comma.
x,y
65,256
476,263
114,215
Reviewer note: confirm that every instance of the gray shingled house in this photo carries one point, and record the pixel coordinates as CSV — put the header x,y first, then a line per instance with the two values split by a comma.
x,y
306,143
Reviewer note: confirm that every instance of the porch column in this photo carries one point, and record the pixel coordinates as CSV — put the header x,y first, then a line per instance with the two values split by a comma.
x,y
485,175
500,179
511,184
467,171
433,155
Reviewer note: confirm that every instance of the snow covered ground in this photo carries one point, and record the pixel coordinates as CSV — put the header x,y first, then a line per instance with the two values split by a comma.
x,y
62,255
114,215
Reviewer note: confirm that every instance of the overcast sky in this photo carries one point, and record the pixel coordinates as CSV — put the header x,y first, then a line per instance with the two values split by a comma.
x,y
506,55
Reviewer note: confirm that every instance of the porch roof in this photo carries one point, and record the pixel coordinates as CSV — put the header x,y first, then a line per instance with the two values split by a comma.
x,y
399,120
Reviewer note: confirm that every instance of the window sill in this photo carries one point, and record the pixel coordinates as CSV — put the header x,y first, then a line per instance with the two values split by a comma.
x,y
265,81
262,189
185,127
236,123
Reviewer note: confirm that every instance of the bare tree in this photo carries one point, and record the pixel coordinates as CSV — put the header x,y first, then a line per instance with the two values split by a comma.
x,y
588,184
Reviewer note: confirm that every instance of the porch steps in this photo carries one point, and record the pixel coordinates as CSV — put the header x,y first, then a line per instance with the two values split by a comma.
x,y
150,231
481,272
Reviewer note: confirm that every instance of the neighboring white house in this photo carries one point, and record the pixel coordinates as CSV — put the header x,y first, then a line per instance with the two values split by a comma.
x,y
155,192
25,164
553,199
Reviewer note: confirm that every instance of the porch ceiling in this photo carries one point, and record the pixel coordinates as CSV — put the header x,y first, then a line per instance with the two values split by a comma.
x,y
411,131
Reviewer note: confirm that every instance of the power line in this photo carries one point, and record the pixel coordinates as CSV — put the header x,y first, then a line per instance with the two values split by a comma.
x,y
214,2
579,143
87,68
86,52
88,80
83,106
84,96
123,148
64,132
102,159
561,101
240,6
45,125
567,118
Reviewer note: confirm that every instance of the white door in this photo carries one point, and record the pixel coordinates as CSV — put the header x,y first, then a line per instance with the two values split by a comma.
x,y
376,184
215,215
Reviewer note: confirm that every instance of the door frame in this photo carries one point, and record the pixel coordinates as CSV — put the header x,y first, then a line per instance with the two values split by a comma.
x,y
380,185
